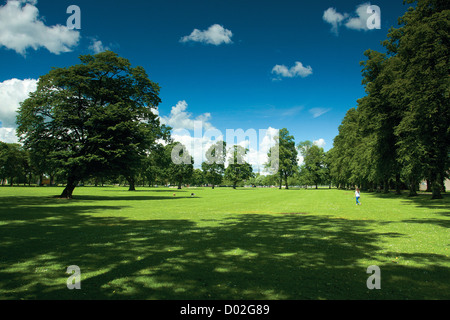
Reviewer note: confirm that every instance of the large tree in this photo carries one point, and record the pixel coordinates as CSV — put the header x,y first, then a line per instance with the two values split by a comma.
x,y
238,169
379,114
283,156
400,130
313,162
14,162
96,116
181,165
422,45
214,166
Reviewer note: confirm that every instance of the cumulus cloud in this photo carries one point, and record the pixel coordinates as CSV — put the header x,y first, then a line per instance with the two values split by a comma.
x,y
215,35
180,119
320,143
334,18
317,112
22,28
198,134
356,21
97,46
298,70
12,93
359,21
8,135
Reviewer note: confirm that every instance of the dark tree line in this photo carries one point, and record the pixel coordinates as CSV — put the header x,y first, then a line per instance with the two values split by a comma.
x,y
399,133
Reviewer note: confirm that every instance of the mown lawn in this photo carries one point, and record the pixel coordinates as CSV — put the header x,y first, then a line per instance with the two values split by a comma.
x,y
222,244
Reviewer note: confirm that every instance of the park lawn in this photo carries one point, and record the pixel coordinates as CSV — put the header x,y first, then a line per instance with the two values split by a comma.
x,y
249,243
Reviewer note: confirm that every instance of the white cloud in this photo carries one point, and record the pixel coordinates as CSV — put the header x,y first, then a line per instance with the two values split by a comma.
x,y
298,70
196,146
360,21
215,35
179,118
320,143
97,46
317,112
12,93
8,135
334,18
356,21
22,28
186,130
300,159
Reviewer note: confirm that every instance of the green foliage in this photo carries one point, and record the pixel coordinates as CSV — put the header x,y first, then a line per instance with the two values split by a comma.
x,y
238,169
214,166
91,119
181,164
283,156
314,169
400,129
197,178
14,163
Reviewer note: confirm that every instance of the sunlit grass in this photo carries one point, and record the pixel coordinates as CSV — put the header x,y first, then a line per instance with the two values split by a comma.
x,y
253,243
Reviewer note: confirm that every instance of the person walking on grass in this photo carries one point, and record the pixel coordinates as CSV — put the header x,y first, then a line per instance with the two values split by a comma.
x,y
357,196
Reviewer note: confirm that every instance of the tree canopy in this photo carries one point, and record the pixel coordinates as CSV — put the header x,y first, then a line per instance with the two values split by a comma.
x,y
400,129
93,117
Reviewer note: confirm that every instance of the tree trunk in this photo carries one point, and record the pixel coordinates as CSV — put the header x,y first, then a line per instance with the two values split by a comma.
x,y
386,186
397,184
131,183
179,185
443,184
436,186
68,190
412,187
213,186
428,185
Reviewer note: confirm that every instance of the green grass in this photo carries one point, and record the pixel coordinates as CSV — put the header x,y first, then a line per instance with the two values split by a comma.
x,y
222,244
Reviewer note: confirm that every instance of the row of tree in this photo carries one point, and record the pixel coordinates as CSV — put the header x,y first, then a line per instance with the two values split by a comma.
x,y
169,163
400,131
160,166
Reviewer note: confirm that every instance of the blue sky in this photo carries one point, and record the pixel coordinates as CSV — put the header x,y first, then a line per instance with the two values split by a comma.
x,y
236,71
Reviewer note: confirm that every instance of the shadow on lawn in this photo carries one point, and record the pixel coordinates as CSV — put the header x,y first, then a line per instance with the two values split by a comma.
x,y
241,257
147,191
128,198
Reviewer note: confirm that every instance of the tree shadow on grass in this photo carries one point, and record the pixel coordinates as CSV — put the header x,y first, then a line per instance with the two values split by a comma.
x,y
149,191
127,198
248,256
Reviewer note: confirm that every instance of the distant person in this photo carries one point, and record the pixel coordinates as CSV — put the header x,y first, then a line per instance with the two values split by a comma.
x,y
357,196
